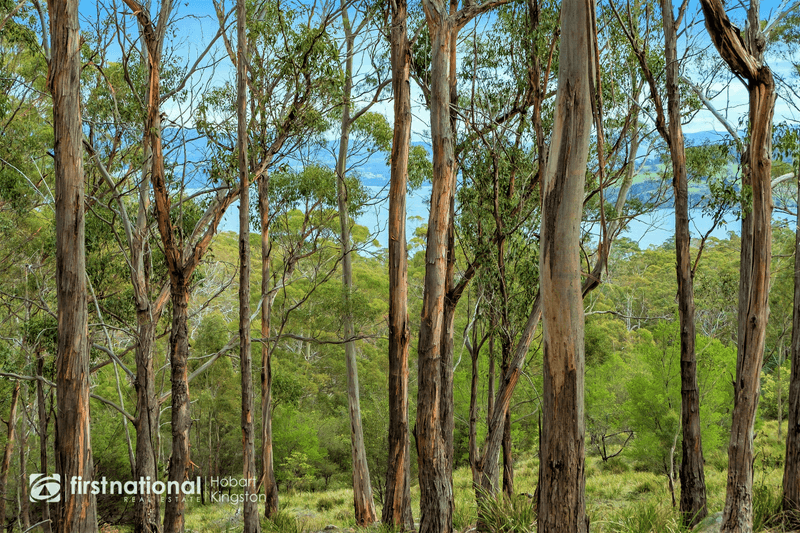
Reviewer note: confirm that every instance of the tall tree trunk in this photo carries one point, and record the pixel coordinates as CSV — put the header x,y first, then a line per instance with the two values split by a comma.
x,y
77,513
746,59
11,425
41,406
397,504
146,507
362,486
433,431
508,456
692,476
181,418
562,481
779,387
251,522
435,479
267,469
791,468
24,501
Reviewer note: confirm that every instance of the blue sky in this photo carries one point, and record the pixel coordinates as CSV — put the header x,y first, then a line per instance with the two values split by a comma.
x,y
195,24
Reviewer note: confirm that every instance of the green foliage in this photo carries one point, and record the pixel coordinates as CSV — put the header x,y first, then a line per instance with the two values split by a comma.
x,y
654,394
420,167
296,448
312,192
768,402
283,522
325,504
375,127
767,504
212,334
646,517
298,473
503,514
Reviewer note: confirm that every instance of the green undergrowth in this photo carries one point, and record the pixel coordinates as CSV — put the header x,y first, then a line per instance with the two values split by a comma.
x,y
620,498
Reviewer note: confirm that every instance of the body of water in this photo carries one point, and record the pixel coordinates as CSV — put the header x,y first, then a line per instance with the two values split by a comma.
x,y
650,229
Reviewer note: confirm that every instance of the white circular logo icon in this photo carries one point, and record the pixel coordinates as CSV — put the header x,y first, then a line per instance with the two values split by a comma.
x,y
44,488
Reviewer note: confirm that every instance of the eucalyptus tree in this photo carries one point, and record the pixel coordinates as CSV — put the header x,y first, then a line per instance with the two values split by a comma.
x,y
397,502
182,255
693,489
791,473
73,442
292,81
350,116
562,480
135,242
507,72
788,145
434,428
501,210
250,514
122,160
744,55
8,450
27,294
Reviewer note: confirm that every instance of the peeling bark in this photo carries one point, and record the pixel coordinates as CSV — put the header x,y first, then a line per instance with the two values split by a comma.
x,y
397,504
745,58
561,505
76,513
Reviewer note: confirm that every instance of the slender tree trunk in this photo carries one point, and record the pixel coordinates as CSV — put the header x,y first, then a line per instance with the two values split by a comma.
x,y
474,453
488,467
267,469
11,425
41,407
494,482
562,506
362,486
692,476
250,515
181,419
791,468
77,513
146,507
746,59
24,500
779,387
508,455
397,504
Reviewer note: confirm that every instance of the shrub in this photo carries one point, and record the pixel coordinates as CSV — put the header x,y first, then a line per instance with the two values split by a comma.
x,y
282,522
766,506
615,465
326,504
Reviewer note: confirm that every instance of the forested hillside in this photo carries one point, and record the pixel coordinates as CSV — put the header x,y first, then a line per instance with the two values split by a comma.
x,y
595,325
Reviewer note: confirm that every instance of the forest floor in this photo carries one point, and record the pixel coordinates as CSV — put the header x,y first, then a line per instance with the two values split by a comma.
x,y
619,499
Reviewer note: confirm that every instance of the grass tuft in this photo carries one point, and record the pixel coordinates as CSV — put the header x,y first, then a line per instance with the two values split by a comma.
x,y
502,514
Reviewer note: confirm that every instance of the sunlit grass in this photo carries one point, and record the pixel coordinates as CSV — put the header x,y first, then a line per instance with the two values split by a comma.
x,y
619,499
